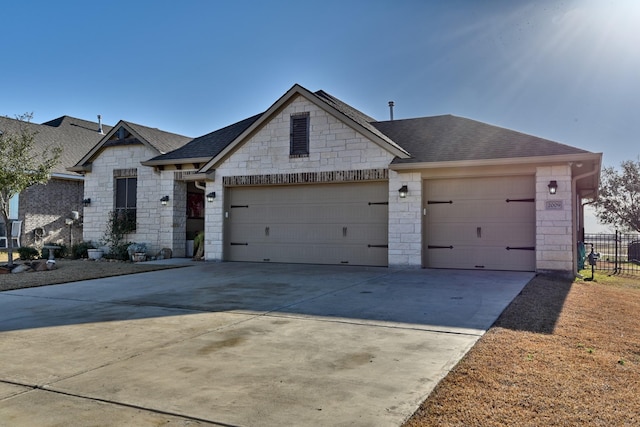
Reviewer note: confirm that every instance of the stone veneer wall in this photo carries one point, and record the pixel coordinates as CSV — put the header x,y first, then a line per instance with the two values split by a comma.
x,y
333,146
154,221
405,220
554,224
47,206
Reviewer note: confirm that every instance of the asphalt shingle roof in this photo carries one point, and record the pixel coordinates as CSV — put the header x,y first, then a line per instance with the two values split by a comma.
x,y
427,139
75,136
161,140
356,115
451,138
211,144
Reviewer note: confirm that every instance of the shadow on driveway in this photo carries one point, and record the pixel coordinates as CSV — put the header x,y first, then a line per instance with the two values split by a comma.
x,y
538,307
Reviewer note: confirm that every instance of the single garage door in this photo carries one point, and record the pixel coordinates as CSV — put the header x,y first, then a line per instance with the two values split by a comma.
x,y
480,223
318,224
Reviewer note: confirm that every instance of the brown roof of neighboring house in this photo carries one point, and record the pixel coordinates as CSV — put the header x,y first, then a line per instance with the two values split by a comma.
x,y
75,136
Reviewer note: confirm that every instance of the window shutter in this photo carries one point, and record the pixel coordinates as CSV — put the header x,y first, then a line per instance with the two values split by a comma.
x,y
299,134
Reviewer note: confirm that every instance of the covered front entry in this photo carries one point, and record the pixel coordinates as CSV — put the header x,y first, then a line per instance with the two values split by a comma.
x,y
480,223
312,223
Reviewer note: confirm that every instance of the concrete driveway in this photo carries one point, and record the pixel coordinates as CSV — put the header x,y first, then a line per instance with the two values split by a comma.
x,y
239,344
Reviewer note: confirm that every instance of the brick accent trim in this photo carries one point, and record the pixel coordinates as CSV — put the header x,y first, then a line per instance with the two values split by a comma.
x,y
118,173
308,177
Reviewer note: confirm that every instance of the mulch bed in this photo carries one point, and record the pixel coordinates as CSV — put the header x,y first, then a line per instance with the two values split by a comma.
x,y
75,270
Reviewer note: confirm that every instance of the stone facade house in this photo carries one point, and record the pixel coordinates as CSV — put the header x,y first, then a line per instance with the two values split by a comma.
x,y
45,209
314,180
115,181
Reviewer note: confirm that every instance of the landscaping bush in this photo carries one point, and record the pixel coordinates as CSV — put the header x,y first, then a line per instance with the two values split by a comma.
x,y
27,253
119,252
79,250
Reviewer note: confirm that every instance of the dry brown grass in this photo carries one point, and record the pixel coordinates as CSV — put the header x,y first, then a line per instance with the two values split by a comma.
x,y
561,354
72,271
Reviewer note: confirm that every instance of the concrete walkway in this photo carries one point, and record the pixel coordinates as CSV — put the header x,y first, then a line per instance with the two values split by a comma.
x,y
239,344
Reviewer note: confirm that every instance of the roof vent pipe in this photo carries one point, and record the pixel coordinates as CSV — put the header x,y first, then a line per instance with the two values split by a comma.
x,y
100,125
391,104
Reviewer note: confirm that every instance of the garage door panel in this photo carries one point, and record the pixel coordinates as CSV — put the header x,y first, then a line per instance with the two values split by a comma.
x,y
327,233
301,253
514,234
481,188
490,258
485,217
472,209
326,224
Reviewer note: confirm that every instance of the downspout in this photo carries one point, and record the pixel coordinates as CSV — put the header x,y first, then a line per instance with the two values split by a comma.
x,y
200,186
574,207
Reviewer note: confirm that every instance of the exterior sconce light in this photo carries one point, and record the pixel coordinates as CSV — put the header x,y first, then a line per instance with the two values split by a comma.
x,y
86,202
211,196
553,187
403,191
164,200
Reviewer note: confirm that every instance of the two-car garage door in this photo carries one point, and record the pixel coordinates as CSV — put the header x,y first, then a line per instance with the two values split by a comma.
x,y
480,223
470,223
319,224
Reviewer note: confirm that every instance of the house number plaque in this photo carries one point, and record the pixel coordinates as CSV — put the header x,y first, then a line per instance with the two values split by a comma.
x,y
553,205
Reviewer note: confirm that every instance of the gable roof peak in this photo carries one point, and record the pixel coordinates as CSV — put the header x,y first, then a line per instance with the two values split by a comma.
x,y
158,140
332,105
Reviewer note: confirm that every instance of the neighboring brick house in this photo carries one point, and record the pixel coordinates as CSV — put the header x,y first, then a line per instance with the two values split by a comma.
x,y
44,208
313,180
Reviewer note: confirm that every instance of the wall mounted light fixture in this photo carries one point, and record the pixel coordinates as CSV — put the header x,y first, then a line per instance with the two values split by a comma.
x,y
211,196
86,202
164,200
403,191
553,187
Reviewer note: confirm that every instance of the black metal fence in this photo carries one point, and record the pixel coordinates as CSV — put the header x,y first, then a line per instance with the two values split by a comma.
x,y
619,253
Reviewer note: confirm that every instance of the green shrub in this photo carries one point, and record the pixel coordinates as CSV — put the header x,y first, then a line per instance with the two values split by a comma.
x,y
79,250
27,253
119,252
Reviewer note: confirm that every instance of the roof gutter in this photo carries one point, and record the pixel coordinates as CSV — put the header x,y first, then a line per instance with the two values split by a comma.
x,y
81,168
497,162
67,176
201,176
167,162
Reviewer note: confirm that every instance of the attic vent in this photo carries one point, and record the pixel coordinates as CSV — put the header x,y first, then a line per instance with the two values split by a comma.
x,y
299,136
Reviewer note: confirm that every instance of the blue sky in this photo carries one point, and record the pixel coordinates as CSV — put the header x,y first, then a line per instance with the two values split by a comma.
x,y
567,70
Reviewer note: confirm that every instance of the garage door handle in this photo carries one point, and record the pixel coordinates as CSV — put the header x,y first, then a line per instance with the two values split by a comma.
x,y
520,200
479,232
344,231
266,231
